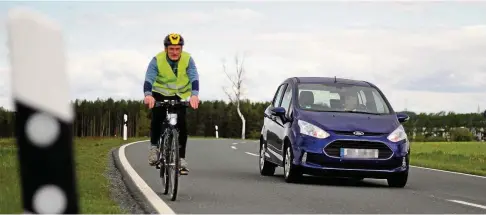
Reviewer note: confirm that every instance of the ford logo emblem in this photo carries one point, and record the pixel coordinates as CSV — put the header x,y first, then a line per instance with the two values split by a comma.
x,y
358,133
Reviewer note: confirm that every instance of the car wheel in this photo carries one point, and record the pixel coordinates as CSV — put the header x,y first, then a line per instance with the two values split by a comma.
x,y
398,180
292,172
266,168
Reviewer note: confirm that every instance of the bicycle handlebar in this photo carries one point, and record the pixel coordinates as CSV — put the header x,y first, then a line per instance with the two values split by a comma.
x,y
171,103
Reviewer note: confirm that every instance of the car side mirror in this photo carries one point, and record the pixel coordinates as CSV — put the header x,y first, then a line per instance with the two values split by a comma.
x,y
402,117
278,111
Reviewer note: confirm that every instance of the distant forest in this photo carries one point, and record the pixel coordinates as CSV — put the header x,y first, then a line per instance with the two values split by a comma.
x,y
105,118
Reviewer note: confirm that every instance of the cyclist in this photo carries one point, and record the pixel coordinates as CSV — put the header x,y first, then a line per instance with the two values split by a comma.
x,y
171,74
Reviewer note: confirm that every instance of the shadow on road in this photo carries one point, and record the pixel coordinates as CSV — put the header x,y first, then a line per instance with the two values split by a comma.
x,y
331,181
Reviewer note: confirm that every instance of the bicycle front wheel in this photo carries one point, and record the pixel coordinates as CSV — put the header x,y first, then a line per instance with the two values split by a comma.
x,y
175,165
163,164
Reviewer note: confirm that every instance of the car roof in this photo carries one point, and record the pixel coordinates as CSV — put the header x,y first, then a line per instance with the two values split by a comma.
x,y
326,80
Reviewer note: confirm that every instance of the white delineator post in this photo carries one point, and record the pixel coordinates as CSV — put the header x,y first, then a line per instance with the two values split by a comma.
x,y
125,128
216,131
40,92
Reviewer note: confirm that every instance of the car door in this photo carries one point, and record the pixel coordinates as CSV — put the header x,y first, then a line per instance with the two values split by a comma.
x,y
270,125
280,126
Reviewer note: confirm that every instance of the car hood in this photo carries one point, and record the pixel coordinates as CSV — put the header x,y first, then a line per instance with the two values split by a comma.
x,y
333,121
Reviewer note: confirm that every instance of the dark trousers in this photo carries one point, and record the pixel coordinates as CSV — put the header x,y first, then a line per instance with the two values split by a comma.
x,y
159,116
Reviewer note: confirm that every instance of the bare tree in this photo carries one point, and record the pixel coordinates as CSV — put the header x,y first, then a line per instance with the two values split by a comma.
x,y
235,93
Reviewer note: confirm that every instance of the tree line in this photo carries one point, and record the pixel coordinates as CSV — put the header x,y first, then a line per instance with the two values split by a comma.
x,y
105,118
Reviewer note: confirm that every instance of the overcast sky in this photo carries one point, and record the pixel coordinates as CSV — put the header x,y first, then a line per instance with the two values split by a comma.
x,y
427,57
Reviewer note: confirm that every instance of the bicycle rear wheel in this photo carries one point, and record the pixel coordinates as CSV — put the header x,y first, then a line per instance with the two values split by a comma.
x,y
175,165
163,164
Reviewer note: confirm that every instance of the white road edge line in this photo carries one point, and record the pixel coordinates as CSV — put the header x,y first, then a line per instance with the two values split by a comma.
x,y
457,173
233,147
251,154
467,203
160,206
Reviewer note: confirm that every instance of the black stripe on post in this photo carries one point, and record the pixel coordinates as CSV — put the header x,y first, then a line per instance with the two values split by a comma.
x,y
46,162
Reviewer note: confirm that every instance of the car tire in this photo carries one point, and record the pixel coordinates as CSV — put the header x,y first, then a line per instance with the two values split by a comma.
x,y
292,172
398,179
266,168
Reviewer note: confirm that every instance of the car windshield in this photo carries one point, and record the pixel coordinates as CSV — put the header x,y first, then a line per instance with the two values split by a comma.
x,y
338,97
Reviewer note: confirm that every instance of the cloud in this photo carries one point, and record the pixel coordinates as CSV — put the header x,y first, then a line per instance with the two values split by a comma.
x,y
431,70
424,69
189,17
387,56
108,73
5,91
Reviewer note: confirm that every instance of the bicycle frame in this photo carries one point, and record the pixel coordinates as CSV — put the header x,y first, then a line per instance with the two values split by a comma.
x,y
169,146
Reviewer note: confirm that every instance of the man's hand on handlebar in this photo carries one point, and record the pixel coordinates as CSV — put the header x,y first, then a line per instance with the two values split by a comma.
x,y
150,101
194,100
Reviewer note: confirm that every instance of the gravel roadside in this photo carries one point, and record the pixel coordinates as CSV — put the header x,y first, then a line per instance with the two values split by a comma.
x,y
119,190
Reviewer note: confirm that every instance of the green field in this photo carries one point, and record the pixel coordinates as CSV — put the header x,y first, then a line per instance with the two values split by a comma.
x,y
465,157
91,163
92,156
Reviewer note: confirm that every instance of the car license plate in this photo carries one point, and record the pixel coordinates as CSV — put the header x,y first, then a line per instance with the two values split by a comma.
x,y
359,153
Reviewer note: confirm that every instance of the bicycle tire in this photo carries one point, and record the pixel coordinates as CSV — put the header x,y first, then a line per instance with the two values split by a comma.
x,y
174,170
163,164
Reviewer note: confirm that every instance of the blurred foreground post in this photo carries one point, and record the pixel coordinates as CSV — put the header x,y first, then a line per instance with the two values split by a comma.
x,y
44,114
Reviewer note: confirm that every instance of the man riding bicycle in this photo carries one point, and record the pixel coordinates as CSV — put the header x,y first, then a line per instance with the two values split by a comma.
x,y
171,74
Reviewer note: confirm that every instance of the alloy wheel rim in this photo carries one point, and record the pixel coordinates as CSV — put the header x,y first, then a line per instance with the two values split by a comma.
x,y
262,154
287,162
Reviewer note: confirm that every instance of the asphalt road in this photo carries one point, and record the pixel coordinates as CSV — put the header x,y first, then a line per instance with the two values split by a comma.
x,y
224,178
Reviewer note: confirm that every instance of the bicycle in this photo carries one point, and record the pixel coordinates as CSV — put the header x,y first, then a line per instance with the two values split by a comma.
x,y
168,145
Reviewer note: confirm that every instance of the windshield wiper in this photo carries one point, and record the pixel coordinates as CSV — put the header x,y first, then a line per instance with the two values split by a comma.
x,y
363,112
347,111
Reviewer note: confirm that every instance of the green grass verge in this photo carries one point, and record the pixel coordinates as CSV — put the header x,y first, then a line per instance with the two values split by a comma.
x,y
91,165
465,157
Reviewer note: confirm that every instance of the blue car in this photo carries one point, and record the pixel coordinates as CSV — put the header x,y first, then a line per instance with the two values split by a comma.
x,y
327,126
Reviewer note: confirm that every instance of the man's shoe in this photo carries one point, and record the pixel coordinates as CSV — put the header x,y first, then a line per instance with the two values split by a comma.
x,y
153,152
184,170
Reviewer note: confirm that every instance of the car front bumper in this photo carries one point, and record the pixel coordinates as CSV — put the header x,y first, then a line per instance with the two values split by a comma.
x,y
318,157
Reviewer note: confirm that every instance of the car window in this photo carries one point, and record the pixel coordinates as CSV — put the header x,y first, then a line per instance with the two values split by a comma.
x,y
341,97
380,104
278,95
362,97
286,99
315,98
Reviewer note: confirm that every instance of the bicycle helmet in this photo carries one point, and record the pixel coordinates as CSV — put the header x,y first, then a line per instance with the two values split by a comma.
x,y
173,39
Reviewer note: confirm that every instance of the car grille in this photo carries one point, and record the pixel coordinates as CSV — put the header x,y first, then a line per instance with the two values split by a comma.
x,y
320,160
333,149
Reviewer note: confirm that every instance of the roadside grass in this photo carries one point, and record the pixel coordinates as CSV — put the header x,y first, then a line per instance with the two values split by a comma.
x,y
465,157
91,157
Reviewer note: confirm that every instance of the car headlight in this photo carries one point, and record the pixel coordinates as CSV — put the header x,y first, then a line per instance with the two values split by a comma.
x,y
312,130
398,134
